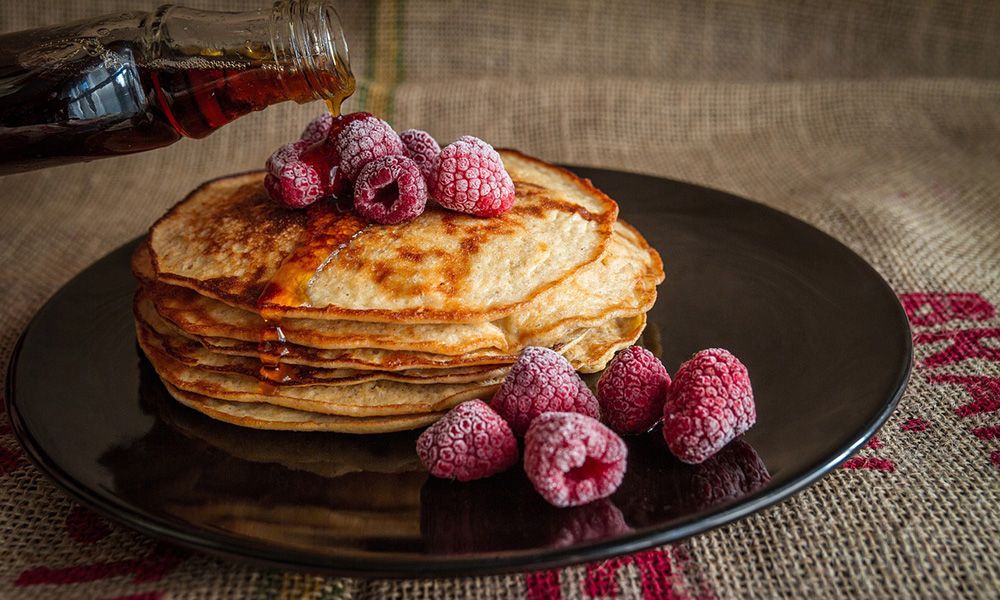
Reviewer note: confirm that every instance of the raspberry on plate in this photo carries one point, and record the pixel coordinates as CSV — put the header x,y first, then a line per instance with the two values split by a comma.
x,y
362,140
572,459
541,381
470,178
470,442
709,403
390,190
632,389
422,148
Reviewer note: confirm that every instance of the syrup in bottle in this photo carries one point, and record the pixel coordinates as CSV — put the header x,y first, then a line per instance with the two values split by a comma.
x,y
136,81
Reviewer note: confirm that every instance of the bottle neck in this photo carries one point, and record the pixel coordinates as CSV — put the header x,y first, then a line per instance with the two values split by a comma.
x,y
209,68
307,42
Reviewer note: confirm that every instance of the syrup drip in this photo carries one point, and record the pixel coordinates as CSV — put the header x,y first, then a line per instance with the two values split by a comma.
x,y
328,231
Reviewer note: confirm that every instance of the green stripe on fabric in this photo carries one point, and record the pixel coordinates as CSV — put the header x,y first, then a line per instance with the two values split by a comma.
x,y
385,61
398,59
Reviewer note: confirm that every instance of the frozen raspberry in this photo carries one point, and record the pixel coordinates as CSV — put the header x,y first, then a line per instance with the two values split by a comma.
x,y
572,459
541,381
295,186
470,442
317,129
423,149
390,190
326,127
285,154
632,389
294,178
362,140
470,178
709,403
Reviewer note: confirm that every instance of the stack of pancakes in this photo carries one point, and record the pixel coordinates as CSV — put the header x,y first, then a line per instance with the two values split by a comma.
x,y
313,320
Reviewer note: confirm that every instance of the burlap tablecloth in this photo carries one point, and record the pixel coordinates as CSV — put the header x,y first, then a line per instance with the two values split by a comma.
x,y
877,122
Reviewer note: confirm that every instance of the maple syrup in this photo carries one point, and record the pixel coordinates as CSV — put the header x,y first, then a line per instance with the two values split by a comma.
x,y
330,227
136,81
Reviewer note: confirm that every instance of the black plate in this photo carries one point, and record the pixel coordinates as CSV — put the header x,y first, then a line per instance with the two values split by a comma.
x,y
825,339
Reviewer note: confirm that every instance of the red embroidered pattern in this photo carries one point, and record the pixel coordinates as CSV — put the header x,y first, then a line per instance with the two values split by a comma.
x,y
543,585
965,344
934,308
871,463
915,425
985,392
986,433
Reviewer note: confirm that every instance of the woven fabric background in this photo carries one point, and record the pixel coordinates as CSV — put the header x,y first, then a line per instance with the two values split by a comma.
x,y
878,122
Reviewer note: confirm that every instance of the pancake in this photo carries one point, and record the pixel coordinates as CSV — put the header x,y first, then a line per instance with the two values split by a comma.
x,y
268,416
600,344
387,360
228,241
377,398
622,282
192,353
201,315
204,316
369,399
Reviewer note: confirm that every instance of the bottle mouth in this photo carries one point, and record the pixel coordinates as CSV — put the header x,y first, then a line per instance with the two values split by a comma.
x,y
308,37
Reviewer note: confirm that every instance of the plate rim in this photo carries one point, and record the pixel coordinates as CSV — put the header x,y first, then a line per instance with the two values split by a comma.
x,y
395,566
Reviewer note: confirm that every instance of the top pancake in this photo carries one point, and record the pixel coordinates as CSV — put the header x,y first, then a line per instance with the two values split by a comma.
x,y
227,240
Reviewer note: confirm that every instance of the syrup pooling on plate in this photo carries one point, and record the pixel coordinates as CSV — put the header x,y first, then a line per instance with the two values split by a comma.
x,y
329,229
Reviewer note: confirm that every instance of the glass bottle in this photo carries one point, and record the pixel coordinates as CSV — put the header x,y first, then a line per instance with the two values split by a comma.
x,y
135,81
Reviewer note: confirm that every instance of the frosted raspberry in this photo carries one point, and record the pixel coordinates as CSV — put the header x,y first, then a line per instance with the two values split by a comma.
x,y
318,129
572,459
470,442
295,186
423,149
283,155
326,127
632,389
709,403
541,381
470,178
390,190
319,158
362,140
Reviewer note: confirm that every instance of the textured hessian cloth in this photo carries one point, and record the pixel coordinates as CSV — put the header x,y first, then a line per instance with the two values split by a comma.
x,y
878,123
